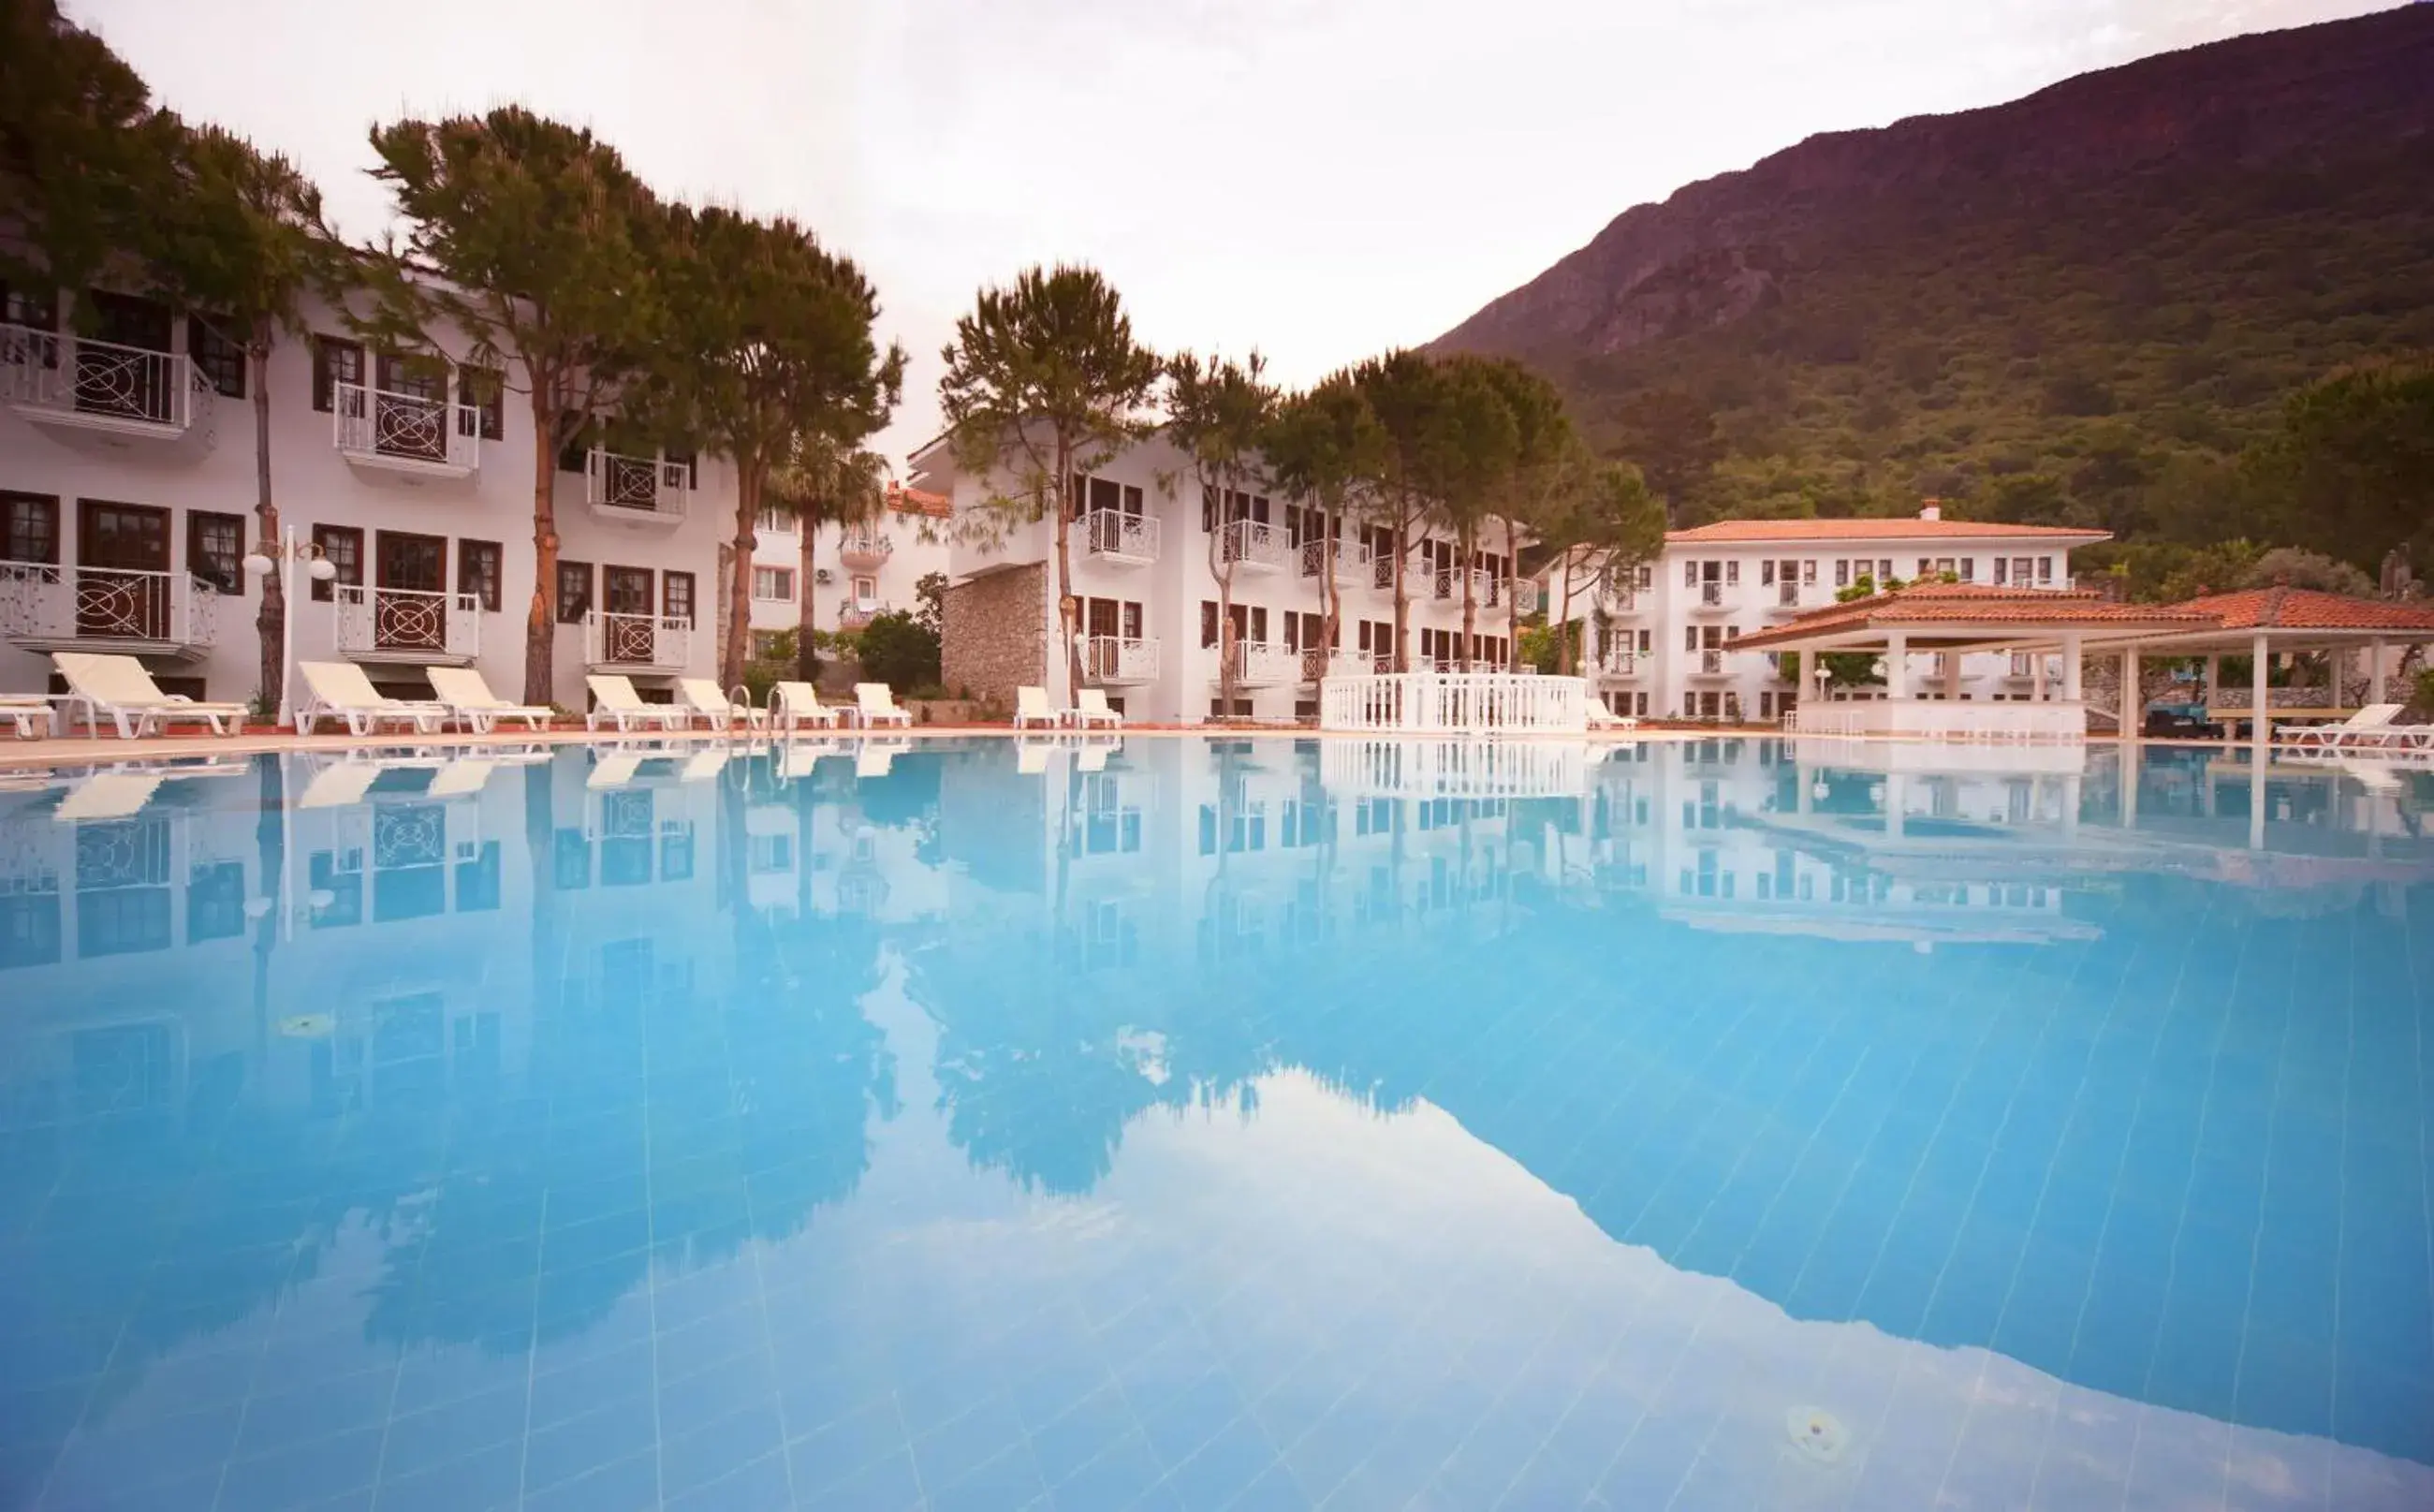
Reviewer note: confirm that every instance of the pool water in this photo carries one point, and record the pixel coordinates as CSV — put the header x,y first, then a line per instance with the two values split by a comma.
x,y
1177,1124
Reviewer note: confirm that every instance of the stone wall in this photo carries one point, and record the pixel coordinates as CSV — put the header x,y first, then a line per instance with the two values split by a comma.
x,y
994,638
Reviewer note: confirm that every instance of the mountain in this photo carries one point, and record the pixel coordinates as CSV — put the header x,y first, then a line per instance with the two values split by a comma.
x,y
2079,306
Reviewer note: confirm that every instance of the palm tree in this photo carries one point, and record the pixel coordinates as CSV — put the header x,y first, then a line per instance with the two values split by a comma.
x,y
824,481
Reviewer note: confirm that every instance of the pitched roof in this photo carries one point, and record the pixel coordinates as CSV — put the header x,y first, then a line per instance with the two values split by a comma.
x,y
1933,604
917,501
1908,527
2305,608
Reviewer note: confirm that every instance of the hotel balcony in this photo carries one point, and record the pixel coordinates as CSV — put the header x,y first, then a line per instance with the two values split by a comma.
x,y
1318,665
653,645
406,625
379,431
1265,664
1119,539
1713,598
101,391
1352,565
1253,545
865,551
49,608
1785,601
1617,600
635,490
857,613
1615,664
1709,663
1114,661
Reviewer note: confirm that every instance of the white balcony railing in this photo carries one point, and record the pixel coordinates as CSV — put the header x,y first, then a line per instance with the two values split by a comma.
x,y
863,548
1116,659
51,608
654,643
405,624
406,431
1619,664
1617,600
1253,544
636,490
1123,539
1381,572
1710,663
1352,562
1786,595
1460,700
1263,663
101,385
1318,665
1711,595
857,613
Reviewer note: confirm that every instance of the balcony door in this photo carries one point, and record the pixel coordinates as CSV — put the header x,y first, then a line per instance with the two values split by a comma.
x,y
132,384
122,574
625,591
410,610
410,408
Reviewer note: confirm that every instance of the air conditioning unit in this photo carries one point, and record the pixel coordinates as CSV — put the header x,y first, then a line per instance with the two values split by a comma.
x,y
821,575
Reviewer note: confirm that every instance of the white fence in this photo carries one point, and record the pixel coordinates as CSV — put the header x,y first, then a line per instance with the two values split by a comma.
x,y
129,389
412,430
1455,768
1118,658
106,605
640,642
1262,664
641,488
1120,537
408,625
1254,544
1474,701
1942,719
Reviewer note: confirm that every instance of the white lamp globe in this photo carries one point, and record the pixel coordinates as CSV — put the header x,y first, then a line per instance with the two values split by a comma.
x,y
323,569
256,564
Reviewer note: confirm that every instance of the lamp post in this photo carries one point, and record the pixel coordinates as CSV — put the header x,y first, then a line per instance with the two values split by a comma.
x,y
258,564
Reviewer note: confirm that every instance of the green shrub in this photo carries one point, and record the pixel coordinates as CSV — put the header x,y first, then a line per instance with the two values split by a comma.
x,y
899,651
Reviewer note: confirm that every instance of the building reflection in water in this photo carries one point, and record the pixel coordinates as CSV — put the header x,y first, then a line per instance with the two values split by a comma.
x,y
1896,1049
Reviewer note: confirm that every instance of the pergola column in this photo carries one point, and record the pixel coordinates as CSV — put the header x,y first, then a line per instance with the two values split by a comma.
x,y
1952,677
2258,719
2133,706
2037,676
1807,677
2374,673
2214,685
1896,666
2070,669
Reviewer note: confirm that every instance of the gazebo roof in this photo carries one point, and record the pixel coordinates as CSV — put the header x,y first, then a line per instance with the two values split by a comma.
x,y
1973,612
2305,608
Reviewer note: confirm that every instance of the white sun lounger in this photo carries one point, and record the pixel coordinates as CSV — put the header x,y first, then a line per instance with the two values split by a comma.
x,y
701,697
1091,755
615,769
1031,757
340,784
461,778
27,711
702,765
467,697
614,700
339,690
1031,707
119,687
2367,726
875,704
1601,717
1090,707
873,758
794,704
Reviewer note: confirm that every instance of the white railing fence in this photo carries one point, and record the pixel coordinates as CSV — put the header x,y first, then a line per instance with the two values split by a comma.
x,y
1252,544
1113,533
405,621
73,375
637,639
40,600
1260,663
1473,702
375,423
1353,562
644,485
1118,658
863,547
1454,768
857,613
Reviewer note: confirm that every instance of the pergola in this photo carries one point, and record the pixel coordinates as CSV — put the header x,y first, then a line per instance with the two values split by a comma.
x,y
2258,621
1958,618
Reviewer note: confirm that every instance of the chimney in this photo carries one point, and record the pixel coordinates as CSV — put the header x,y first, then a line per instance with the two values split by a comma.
x,y
1930,509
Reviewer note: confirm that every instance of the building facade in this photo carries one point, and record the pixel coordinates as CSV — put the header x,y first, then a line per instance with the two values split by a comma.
x,y
857,572
128,482
1658,643
1146,549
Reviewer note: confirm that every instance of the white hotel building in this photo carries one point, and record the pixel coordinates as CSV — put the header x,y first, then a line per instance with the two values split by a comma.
x,y
1658,647
127,486
1142,541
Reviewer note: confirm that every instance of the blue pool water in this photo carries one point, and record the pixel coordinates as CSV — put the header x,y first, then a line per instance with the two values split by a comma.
x,y
1179,1124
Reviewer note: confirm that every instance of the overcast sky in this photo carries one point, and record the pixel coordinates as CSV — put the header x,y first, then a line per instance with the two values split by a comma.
x,y
1319,179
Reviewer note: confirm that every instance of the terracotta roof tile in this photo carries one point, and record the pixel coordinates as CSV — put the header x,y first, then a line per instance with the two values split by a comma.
x,y
1933,604
1908,527
2305,608
917,501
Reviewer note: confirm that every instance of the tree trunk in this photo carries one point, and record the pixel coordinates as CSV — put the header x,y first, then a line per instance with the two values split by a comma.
x,y
739,581
1403,592
1334,617
1064,488
270,621
1466,553
1512,601
1564,631
541,621
1223,571
807,661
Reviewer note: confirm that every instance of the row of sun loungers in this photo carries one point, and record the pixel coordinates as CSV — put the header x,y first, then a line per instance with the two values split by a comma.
x,y
2372,728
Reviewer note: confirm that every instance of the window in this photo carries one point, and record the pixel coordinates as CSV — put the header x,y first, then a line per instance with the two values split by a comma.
x,y
774,584
689,462
1647,642
222,361
1732,572
1689,637
1208,624
486,392
676,595
1093,494
1968,569
1843,571
2002,571
477,571
1766,572
2045,571
1808,572
773,520
335,362
26,307
30,528
1689,575
866,590
343,546
214,549
573,591
575,454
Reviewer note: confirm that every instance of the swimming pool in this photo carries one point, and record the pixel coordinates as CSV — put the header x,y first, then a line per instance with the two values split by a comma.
x,y
1170,1122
